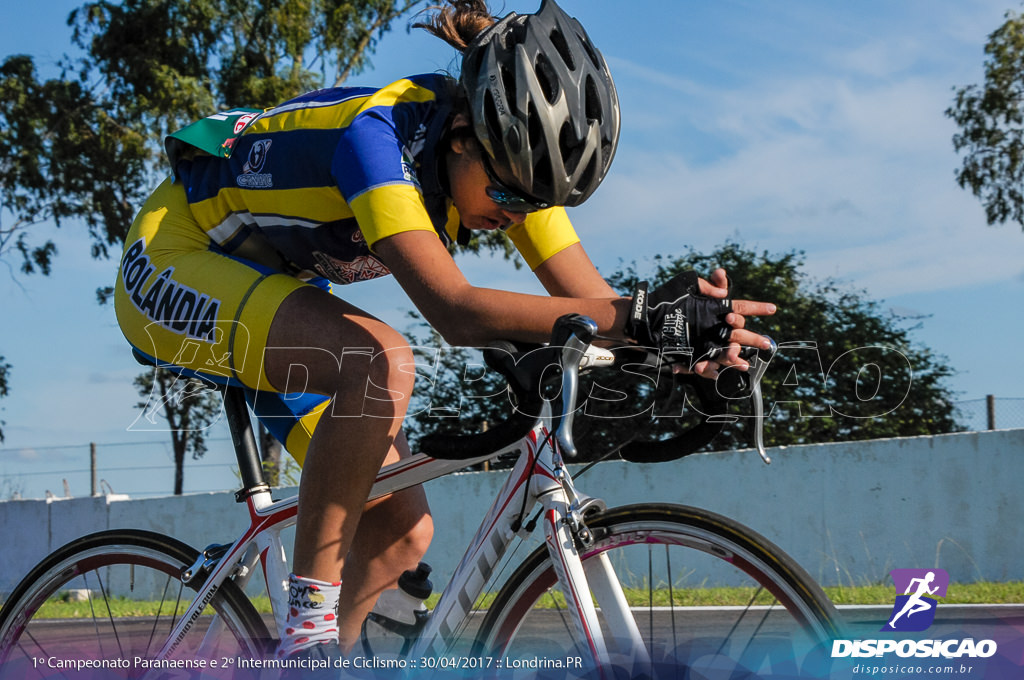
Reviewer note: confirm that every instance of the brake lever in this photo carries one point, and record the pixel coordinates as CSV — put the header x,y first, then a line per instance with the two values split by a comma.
x,y
574,333
758,365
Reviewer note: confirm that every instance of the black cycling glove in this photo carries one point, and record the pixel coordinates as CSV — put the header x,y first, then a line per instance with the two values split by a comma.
x,y
676,317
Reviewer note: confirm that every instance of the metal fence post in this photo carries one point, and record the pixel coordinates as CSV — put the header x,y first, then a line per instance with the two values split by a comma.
x,y
93,488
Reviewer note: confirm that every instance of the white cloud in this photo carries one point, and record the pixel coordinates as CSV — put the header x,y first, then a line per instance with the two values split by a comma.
x,y
878,58
856,171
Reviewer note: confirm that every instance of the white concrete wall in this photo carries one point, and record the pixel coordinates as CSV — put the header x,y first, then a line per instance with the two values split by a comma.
x,y
847,512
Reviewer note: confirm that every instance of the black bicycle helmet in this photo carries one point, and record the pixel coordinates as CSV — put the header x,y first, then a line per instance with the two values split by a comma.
x,y
543,106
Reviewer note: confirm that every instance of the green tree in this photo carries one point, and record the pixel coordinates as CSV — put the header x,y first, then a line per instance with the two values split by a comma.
x,y
991,126
188,406
847,368
454,391
84,147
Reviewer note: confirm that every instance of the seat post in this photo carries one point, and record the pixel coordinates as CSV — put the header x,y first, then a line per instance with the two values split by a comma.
x,y
249,466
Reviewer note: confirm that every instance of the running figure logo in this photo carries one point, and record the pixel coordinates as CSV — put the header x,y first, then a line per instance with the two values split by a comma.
x,y
914,609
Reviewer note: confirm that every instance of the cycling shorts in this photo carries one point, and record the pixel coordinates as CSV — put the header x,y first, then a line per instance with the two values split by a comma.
x,y
182,302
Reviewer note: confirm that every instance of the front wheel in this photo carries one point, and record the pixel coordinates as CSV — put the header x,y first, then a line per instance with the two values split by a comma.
x,y
702,590
114,596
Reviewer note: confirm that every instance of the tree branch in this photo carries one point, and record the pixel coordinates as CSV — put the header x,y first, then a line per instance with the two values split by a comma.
x,y
364,42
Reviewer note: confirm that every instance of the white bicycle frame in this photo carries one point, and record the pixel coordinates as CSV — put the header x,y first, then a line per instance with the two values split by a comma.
x,y
539,477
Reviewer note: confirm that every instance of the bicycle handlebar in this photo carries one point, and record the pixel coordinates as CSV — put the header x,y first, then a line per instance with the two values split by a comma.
x,y
713,397
527,369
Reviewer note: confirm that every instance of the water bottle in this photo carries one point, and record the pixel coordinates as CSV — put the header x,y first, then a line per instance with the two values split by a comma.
x,y
398,616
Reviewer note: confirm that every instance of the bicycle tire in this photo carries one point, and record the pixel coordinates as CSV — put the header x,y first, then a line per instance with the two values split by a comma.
x,y
102,565
693,536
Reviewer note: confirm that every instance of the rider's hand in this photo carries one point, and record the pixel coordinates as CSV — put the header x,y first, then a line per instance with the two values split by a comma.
x,y
695,317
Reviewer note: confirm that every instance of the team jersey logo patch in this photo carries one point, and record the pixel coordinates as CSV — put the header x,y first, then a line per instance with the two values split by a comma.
x,y
252,176
410,152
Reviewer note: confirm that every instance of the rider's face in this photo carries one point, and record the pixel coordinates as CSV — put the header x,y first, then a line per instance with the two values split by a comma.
x,y
468,181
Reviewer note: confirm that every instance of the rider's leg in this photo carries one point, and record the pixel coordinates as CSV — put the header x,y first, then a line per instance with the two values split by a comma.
x,y
369,386
393,535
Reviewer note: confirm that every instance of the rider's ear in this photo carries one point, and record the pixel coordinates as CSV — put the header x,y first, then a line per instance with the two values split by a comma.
x,y
462,138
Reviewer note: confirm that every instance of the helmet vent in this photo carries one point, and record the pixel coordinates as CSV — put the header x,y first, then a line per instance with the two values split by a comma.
x,y
562,47
568,148
588,175
607,151
515,34
591,52
543,178
536,131
508,81
592,101
546,78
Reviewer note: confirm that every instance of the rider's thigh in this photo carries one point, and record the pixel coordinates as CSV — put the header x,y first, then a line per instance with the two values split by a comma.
x,y
331,347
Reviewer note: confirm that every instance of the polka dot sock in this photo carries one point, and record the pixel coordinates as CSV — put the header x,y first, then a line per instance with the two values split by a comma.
x,y
312,615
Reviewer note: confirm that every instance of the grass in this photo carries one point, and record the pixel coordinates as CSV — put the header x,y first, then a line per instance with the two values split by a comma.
x,y
959,593
64,607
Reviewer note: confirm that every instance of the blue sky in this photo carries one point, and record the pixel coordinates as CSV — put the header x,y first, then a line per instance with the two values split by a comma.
x,y
806,125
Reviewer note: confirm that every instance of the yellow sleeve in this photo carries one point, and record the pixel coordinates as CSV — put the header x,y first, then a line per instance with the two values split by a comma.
x,y
543,234
390,209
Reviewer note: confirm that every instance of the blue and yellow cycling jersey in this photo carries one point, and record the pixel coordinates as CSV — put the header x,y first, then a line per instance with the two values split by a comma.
x,y
266,203
321,178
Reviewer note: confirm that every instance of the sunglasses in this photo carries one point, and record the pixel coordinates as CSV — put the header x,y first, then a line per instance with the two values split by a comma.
x,y
506,197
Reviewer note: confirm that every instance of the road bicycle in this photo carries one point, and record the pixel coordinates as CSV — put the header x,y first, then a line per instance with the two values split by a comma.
x,y
604,590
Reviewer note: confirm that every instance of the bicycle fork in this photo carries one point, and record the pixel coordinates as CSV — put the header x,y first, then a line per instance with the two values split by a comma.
x,y
588,587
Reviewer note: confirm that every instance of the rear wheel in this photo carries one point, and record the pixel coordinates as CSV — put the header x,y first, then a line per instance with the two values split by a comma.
x,y
674,562
115,596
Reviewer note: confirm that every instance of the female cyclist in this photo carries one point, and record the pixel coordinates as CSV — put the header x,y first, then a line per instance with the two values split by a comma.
x,y
227,271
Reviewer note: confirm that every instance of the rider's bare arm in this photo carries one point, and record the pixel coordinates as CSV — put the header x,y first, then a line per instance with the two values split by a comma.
x,y
570,273
472,316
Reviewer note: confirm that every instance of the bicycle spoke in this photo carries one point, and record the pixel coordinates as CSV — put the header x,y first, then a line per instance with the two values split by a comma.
x,y
757,629
739,619
160,609
42,652
497,577
570,629
671,596
177,604
558,608
650,592
110,615
92,612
